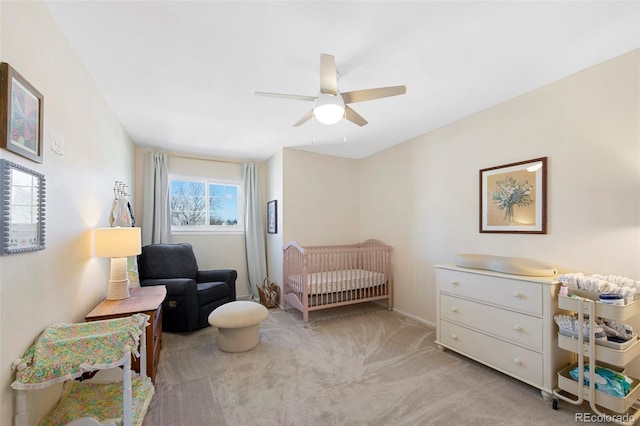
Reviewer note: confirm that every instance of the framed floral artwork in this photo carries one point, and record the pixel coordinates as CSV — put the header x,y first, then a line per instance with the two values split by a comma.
x,y
21,109
513,197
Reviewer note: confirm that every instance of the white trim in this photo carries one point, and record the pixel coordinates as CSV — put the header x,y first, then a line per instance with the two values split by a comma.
x,y
203,231
420,320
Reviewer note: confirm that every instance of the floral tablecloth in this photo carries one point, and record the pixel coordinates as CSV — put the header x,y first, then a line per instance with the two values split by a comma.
x,y
66,351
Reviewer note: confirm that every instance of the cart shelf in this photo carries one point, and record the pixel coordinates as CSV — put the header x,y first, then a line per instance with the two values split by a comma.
x,y
614,312
610,402
619,357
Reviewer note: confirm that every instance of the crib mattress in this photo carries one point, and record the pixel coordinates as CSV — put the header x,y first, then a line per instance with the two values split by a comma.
x,y
337,281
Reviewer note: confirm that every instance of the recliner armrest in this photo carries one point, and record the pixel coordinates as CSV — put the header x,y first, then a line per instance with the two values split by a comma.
x,y
217,275
175,286
228,276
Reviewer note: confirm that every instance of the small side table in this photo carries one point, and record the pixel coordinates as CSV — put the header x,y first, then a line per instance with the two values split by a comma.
x,y
146,300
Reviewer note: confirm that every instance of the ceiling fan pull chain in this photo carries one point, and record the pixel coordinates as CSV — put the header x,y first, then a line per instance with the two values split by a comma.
x,y
344,123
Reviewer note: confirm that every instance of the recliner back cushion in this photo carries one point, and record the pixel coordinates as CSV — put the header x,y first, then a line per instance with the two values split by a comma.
x,y
167,261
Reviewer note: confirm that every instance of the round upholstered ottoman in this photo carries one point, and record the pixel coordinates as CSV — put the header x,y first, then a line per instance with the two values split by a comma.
x,y
238,325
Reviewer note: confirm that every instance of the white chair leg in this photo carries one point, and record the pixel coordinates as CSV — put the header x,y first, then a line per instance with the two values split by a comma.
x,y
22,417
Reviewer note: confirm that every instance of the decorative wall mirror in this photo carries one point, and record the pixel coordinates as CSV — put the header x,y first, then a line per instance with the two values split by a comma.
x,y
22,209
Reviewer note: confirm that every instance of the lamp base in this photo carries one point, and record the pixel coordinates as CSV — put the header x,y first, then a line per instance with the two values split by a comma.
x,y
119,282
118,290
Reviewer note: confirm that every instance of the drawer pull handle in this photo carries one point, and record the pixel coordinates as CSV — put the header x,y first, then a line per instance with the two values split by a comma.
x,y
518,328
517,361
454,337
455,283
454,309
518,295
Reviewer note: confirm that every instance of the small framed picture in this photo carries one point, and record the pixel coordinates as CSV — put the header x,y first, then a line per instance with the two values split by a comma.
x,y
272,217
21,115
513,197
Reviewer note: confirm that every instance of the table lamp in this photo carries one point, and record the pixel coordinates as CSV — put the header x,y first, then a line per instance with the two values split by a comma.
x,y
117,243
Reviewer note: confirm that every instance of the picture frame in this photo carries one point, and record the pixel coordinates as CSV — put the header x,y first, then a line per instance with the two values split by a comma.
x,y
272,217
22,209
21,115
513,197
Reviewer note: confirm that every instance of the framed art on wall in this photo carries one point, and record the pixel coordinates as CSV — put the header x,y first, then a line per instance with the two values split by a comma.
x,y
21,115
513,197
22,209
272,217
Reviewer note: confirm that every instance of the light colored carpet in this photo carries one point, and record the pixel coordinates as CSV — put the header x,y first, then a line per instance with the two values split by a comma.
x,y
358,365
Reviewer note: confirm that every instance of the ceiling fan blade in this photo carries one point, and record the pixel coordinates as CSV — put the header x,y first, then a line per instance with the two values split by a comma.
x,y
354,117
328,78
371,94
308,116
285,96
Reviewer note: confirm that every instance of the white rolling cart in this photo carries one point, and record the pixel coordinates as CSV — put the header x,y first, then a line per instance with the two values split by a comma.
x,y
621,410
65,352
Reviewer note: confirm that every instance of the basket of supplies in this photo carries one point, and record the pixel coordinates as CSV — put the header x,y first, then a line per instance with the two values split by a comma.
x,y
269,293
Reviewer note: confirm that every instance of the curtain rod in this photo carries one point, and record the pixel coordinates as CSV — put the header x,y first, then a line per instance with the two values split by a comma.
x,y
196,157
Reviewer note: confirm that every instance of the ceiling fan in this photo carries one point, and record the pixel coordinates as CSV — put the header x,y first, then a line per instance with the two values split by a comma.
x,y
330,105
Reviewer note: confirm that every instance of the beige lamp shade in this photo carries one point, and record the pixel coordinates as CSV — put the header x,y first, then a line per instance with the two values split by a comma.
x,y
117,242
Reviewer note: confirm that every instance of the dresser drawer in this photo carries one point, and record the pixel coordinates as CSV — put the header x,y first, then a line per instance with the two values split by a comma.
x,y
514,360
515,327
514,294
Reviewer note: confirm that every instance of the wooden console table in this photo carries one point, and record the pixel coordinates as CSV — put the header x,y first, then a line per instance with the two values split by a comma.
x,y
147,300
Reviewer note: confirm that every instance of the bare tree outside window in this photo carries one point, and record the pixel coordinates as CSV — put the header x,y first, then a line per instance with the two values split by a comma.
x,y
188,203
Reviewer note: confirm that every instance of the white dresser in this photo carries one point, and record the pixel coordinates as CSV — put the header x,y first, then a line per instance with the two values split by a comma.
x,y
503,321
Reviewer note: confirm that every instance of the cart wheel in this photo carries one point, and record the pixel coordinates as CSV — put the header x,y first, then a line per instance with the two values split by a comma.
x,y
555,403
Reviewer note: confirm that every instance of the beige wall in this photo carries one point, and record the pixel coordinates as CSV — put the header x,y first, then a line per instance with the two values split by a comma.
x,y
63,282
320,195
586,124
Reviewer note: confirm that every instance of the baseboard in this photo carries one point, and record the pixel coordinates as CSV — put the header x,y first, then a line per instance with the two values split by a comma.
x,y
244,297
399,312
413,317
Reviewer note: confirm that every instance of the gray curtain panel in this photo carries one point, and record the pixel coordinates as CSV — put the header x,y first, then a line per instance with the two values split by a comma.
x,y
156,218
254,229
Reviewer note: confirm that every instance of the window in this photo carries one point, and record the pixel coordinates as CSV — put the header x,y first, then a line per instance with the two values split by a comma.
x,y
204,205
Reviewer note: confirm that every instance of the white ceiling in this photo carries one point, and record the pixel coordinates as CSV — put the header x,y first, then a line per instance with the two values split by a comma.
x,y
180,75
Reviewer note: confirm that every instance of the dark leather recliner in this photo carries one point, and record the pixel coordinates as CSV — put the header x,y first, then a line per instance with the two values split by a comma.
x,y
191,294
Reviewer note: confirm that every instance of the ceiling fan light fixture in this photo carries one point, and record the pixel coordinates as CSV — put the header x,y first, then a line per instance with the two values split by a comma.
x,y
328,109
